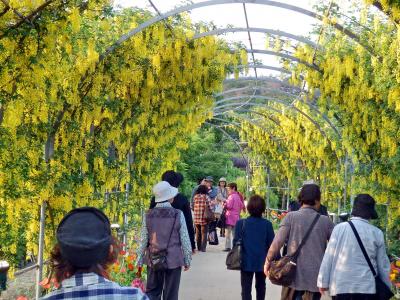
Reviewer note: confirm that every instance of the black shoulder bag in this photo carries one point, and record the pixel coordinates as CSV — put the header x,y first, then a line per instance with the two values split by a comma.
x,y
234,258
158,259
383,292
283,271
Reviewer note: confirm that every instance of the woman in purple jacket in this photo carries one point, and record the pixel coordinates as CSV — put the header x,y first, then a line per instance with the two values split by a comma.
x,y
234,205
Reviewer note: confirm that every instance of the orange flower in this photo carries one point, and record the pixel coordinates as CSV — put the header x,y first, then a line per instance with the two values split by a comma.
x,y
130,267
22,297
45,283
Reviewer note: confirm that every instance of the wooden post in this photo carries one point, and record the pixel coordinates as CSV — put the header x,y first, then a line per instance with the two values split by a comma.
x,y
39,270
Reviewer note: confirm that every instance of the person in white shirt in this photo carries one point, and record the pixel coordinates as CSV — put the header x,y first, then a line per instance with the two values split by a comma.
x,y
344,271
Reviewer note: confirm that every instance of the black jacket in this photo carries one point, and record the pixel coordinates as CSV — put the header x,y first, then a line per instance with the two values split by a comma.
x,y
181,203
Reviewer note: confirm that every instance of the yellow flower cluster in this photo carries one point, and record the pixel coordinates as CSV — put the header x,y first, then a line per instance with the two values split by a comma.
x,y
74,126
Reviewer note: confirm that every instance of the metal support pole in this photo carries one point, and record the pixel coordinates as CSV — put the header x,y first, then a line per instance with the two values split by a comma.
x,y
268,187
125,218
345,181
39,271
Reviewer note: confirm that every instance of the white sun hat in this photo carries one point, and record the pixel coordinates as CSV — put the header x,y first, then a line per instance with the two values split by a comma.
x,y
163,191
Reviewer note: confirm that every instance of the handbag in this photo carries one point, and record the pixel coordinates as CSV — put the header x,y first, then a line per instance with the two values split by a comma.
x,y
383,292
234,257
213,238
208,214
158,259
283,271
222,219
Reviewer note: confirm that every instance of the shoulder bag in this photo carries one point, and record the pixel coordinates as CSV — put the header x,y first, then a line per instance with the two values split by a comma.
x,y
208,213
283,271
158,259
234,258
383,292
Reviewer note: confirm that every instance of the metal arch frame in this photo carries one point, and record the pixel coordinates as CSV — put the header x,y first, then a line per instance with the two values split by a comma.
x,y
237,145
281,102
299,100
257,113
284,55
260,88
193,6
272,137
267,67
289,105
259,30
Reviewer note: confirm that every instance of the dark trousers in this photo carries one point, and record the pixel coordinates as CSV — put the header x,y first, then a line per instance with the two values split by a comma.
x,y
353,297
246,279
165,283
201,237
291,294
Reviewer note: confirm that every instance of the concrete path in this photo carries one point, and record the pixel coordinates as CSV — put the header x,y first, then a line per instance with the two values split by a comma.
x,y
208,279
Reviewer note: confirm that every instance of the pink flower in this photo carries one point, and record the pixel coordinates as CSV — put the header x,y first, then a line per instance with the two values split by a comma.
x,y
138,283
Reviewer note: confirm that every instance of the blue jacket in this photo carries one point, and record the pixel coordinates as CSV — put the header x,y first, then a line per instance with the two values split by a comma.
x,y
257,237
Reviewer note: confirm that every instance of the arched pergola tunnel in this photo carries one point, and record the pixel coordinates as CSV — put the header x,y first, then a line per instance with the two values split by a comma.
x,y
270,98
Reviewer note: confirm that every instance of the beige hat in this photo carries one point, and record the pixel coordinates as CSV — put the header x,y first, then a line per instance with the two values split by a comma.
x,y
222,179
163,191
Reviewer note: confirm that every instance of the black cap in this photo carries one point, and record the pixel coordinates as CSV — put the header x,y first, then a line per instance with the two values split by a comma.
x,y
84,237
209,178
364,207
172,177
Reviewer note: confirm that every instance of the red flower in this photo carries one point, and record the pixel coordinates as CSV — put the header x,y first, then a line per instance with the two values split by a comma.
x,y
122,252
22,297
45,283
130,267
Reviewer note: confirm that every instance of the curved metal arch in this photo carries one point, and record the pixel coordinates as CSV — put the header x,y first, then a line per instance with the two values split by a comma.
x,y
255,88
193,6
281,102
252,123
284,55
258,29
235,142
325,117
267,67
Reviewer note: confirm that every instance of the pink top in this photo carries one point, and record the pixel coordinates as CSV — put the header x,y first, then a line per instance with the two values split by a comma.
x,y
234,205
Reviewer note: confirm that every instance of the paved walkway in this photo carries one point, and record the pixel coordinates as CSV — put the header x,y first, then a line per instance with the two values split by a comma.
x,y
208,279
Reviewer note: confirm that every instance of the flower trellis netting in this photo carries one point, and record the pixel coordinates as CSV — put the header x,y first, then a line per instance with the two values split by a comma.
x,y
95,99
75,124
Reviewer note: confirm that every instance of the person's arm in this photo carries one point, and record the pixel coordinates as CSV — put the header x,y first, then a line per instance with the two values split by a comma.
x,y
278,242
185,241
383,262
270,234
192,197
152,202
229,203
323,281
144,241
189,221
238,232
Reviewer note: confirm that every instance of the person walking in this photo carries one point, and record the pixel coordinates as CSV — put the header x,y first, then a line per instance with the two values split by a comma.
x,y
180,202
293,229
222,196
344,271
234,205
256,234
84,252
200,202
164,238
